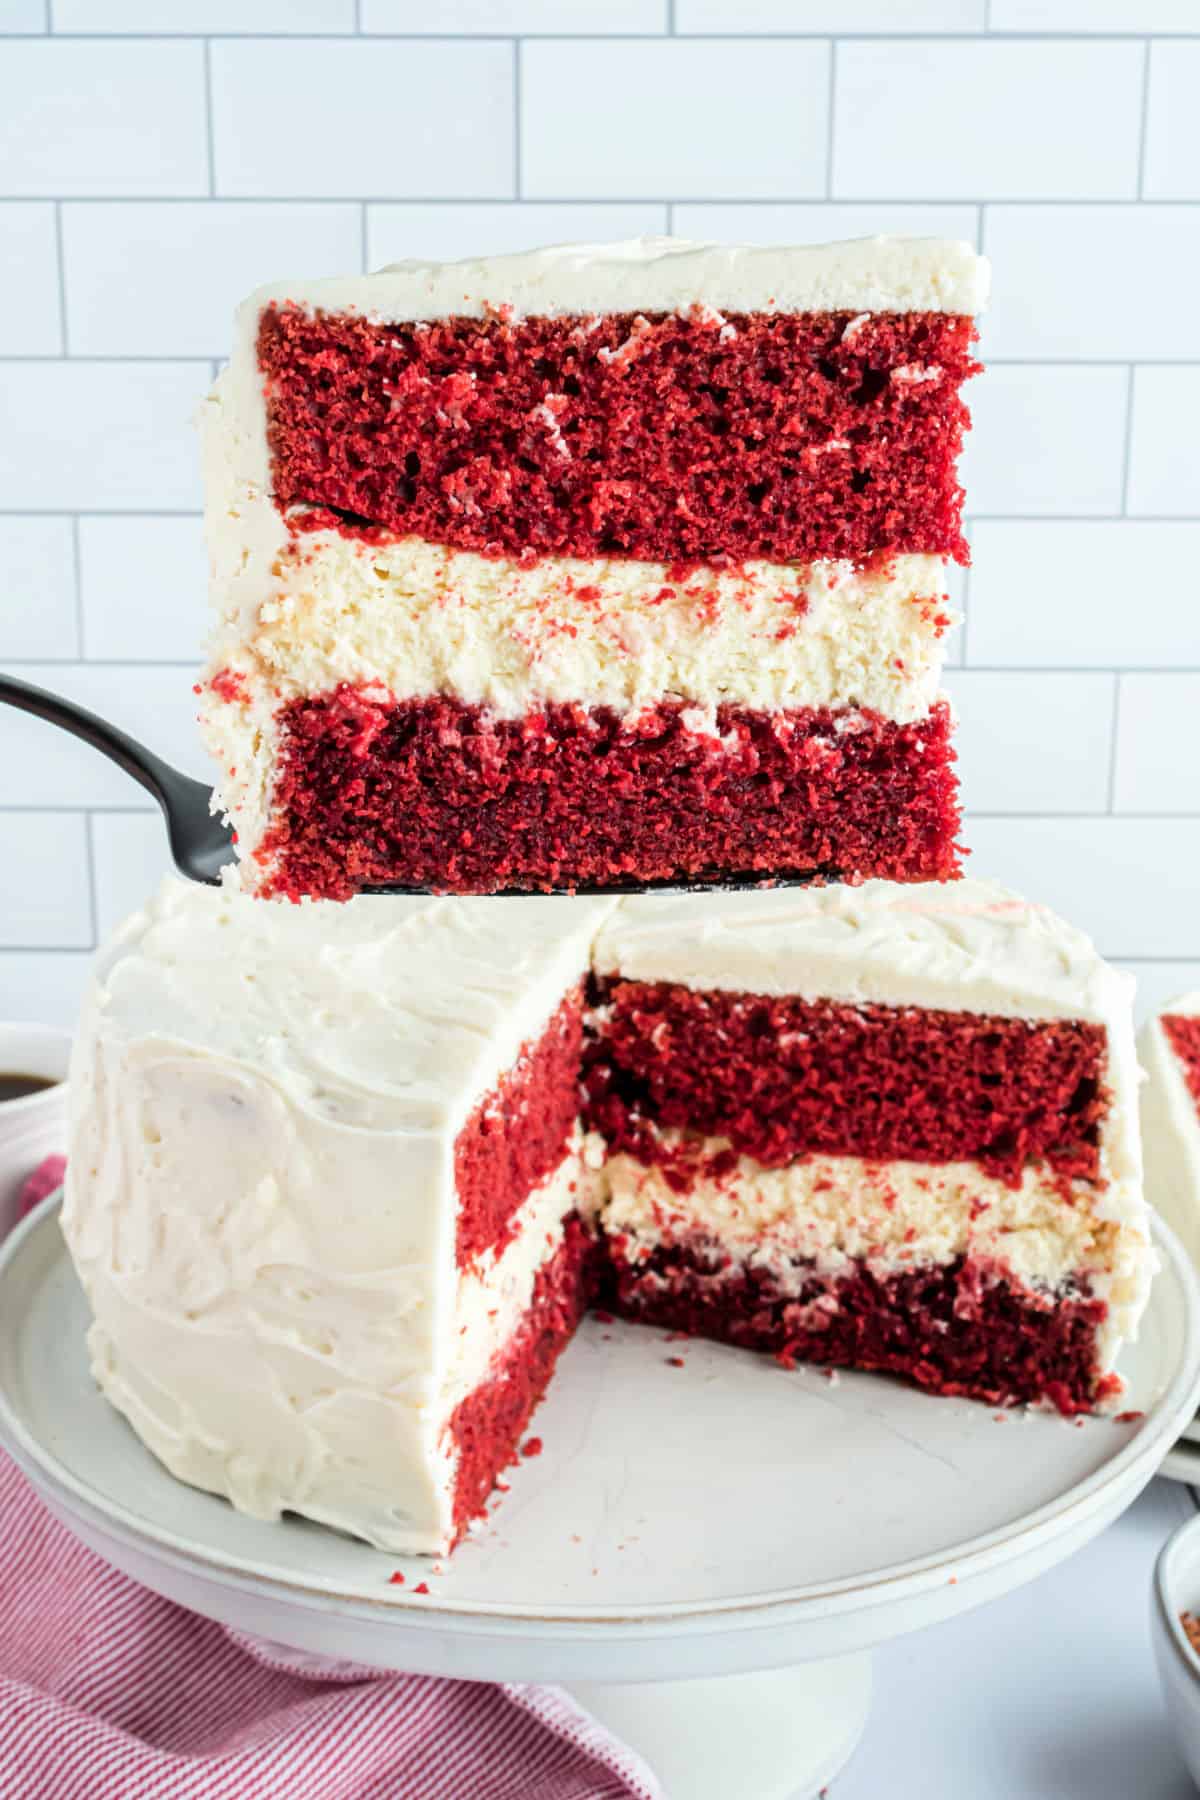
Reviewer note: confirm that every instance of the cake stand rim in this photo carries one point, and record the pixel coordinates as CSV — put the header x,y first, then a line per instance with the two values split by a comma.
x,y
1124,1473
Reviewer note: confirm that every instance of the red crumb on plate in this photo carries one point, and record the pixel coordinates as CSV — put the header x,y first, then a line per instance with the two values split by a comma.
x,y
532,1447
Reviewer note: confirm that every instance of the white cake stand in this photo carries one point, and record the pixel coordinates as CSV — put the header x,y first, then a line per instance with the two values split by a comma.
x,y
736,1534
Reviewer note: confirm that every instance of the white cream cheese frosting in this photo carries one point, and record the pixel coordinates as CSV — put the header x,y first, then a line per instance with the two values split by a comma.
x,y
656,274
970,946
1171,1128
260,1194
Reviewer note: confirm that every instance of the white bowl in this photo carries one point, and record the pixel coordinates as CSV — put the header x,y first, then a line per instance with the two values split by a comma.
x,y
37,1125
1176,1589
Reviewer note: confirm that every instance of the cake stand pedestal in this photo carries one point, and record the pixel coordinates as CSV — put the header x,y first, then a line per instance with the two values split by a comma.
x,y
780,1735
702,1555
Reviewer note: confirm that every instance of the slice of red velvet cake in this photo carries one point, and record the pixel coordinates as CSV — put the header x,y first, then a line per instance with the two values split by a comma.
x,y
889,1128
604,564
1170,1051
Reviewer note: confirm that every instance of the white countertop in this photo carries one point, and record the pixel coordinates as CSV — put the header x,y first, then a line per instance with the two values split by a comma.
x,y
1047,1694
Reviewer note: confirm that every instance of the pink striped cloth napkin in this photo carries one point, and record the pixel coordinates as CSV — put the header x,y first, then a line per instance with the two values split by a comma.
x,y
108,1692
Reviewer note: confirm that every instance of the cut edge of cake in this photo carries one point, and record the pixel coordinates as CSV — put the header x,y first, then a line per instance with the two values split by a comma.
x,y
970,951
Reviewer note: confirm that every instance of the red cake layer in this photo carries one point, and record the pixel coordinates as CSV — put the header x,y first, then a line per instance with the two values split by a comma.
x,y
517,1134
782,1078
954,1329
668,437
486,1427
435,793
1183,1035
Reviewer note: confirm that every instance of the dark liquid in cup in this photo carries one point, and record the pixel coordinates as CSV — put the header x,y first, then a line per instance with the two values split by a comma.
x,y
14,1086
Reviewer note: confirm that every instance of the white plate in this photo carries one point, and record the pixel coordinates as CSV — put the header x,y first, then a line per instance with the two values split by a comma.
x,y
723,1516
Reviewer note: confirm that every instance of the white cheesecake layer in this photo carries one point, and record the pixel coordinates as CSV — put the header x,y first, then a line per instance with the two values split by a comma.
x,y
825,1213
420,619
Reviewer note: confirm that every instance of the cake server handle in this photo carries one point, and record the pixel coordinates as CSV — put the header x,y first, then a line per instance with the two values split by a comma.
x,y
200,843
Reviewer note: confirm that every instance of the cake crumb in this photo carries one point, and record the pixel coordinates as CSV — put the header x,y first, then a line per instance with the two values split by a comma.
x,y
1191,1627
1129,1418
605,1318
676,1362
396,1578
532,1447
422,1587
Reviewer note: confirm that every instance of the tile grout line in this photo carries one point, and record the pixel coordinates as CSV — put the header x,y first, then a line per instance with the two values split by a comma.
x,y
1145,119
65,809
829,128
208,119
1127,463
93,908
189,358
80,950
1114,727
1022,670
77,573
980,37
195,512
60,253
516,104
1148,205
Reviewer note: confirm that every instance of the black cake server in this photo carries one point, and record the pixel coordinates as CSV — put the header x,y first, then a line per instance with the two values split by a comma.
x,y
201,843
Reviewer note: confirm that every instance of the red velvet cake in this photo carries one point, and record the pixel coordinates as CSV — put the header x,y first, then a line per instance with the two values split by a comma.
x,y
345,1177
1170,1054
593,566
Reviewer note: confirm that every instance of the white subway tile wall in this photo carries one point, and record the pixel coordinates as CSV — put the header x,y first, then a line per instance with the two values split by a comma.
x,y
157,162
